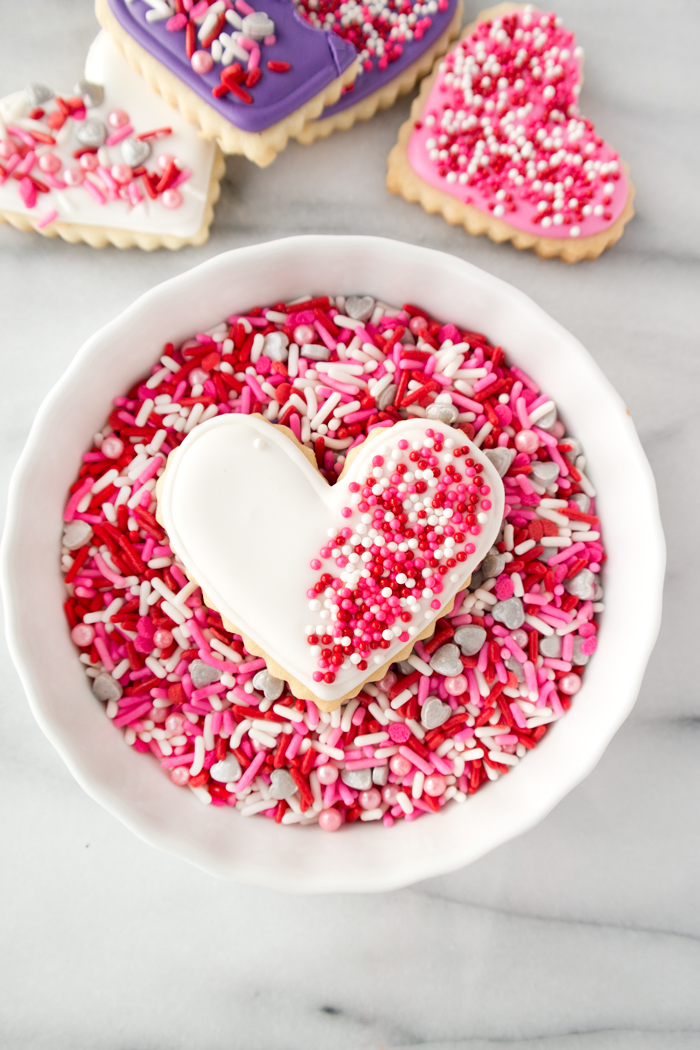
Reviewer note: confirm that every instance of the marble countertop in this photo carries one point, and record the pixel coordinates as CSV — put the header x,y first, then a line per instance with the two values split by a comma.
x,y
582,934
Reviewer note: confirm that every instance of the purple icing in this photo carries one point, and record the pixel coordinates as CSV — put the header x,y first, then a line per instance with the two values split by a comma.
x,y
317,57
372,80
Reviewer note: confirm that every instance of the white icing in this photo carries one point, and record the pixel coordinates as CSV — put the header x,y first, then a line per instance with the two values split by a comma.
x,y
246,512
126,90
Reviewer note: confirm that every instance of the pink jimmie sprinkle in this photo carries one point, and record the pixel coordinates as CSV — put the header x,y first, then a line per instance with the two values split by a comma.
x,y
413,742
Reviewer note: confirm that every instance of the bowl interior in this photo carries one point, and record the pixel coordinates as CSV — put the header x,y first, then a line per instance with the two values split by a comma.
x,y
365,857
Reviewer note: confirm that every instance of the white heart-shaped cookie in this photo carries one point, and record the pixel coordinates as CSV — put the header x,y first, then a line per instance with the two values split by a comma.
x,y
329,583
109,161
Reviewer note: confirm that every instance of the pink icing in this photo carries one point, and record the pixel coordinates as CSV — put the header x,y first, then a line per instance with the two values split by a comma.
x,y
509,92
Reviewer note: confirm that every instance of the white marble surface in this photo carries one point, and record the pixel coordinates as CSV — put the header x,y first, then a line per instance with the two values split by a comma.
x,y
584,933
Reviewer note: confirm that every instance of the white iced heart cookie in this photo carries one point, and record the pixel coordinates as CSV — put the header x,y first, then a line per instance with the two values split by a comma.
x,y
330,583
107,162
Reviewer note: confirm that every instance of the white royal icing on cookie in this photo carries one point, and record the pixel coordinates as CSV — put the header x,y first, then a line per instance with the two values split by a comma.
x,y
124,90
254,524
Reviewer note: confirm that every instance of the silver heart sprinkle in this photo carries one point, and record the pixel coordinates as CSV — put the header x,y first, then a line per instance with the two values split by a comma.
x,y
275,346
76,534
360,308
551,647
271,687
106,688
493,564
501,458
281,784
92,133
258,25
135,151
583,585
445,660
434,713
443,413
226,771
470,639
360,779
37,94
544,473
510,613
91,94
202,674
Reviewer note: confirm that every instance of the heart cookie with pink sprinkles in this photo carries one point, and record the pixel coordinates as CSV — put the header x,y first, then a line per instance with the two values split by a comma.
x,y
330,583
495,142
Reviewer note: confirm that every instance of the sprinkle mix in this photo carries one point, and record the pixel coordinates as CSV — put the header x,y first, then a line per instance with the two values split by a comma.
x,y
226,33
468,703
379,31
51,144
502,123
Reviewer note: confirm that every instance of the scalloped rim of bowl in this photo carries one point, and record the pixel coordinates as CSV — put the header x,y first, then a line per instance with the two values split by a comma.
x,y
257,852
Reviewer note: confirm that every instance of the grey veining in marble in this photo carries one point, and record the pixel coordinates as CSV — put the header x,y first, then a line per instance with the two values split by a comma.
x,y
582,935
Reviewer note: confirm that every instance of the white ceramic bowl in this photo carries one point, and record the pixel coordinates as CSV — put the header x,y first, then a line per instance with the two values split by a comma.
x,y
364,857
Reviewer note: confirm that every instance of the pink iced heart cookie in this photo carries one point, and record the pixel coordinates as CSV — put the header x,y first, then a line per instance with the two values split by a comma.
x,y
331,583
496,143
108,162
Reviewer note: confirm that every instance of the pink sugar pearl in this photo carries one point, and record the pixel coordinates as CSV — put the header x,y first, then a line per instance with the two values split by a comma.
x,y
49,162
399,765
83,634
569,684
118,118
121,173
434,785
303,334
163,638
327,774
73,176
389,794
112,447
180,775
171,199
89,162
369,799
201,62
527,441
174,723
329,819
456,685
